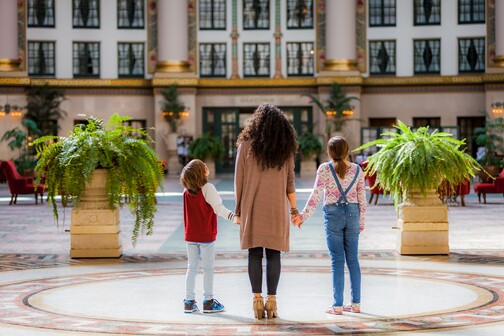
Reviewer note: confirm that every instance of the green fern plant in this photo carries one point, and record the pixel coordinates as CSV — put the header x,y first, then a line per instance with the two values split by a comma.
x,y
420,160
133,168
207,146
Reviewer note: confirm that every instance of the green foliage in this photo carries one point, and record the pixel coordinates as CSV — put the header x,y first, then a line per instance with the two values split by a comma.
x,y
309,145
133,169
337,102
172,107
43,107
207,146
491,137
21,140
418,160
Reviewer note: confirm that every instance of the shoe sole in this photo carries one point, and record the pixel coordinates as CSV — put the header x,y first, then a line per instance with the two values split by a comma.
x,y
213,311
190,311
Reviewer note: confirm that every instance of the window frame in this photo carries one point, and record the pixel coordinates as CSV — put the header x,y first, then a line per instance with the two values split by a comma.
x,y
213,75
28,3
98,9
130,26
382,17
269,59
29,58
394,56
415,53
480,56
312,55
212,15
256,28
299,27
415,10
472,21
130,75
79,75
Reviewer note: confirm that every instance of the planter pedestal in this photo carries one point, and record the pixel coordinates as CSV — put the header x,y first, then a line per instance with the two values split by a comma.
x,y
94,230
423,225
308,168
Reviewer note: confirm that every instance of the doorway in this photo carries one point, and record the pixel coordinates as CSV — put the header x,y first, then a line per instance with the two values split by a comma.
x,y
227,122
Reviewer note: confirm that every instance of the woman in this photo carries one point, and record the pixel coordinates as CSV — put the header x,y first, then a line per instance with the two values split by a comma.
x,y
264,187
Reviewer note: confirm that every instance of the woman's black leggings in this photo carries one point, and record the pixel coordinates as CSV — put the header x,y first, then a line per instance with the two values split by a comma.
x,y
255,269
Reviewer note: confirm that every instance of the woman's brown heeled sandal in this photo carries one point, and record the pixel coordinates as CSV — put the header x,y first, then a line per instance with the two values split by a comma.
x,y
258,307
271,307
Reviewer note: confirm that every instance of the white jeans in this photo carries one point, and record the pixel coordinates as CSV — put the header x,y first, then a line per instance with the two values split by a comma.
x,y
195,252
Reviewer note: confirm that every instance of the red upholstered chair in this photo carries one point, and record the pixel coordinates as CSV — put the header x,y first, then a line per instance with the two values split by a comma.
x,y
371,180
19,184
496,187
461,190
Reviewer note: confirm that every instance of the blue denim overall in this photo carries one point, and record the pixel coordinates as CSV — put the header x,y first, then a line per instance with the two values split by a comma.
x,y
342,226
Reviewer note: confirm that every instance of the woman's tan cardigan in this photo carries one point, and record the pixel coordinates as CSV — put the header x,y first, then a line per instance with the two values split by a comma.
x,y
261,201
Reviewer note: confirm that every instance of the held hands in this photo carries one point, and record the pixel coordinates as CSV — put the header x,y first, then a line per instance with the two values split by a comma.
x,y
236,219
296,220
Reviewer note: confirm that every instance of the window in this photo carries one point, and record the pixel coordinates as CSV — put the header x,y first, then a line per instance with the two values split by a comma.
x,y
432,122
212,14
212,59
427,56
427,12
41,60
299,14
86,13
256,60
382,13
131,59
86,59
130,14
300,60
256,14
382,58
472,55
40,13
471,11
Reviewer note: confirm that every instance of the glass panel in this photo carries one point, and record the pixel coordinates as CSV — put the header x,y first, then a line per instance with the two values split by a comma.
x,y
41,59
256,59
40,13
255,14
130,13
212,60
212,14
382,57
86,13
382,13
427,56
86,59
300,61
299,14
131,59
472,55
427,12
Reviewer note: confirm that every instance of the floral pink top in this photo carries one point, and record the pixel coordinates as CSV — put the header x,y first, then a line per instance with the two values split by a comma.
x,y
325,185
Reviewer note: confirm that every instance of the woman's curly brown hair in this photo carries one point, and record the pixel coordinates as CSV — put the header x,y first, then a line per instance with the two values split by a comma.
x,y
272,137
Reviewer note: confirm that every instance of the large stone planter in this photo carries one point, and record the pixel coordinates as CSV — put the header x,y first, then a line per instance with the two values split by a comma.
x,y
94,229
423,225
308,168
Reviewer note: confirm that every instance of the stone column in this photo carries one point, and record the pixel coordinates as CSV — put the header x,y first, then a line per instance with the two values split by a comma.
x,y
278,41
341,54
8,36
172,36
234,41
499,34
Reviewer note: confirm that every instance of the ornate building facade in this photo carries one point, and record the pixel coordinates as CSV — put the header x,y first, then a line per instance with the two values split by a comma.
x,y
436,63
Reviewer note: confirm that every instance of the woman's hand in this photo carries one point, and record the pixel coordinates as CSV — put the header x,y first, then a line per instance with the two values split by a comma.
x,y
236,219
296,220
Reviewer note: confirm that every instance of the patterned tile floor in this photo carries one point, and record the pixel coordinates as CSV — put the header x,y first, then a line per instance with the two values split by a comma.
x,y
44,292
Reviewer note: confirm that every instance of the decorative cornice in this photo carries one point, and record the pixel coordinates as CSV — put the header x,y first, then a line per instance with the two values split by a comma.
x,y
306,82
7,64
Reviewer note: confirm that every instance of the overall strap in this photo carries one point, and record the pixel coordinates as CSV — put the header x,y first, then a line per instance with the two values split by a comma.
x,y
343,193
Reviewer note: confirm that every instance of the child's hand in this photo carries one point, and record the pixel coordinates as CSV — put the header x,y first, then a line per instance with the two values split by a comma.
x,y
361,228
296,220
236,219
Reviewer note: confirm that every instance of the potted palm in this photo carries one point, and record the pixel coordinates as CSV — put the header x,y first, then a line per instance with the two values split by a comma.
x,y
411,166
97,167
337,109
310,148
491,138
208,148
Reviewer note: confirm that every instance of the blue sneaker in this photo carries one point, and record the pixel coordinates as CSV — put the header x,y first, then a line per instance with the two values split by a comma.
x,y
190,306
212,306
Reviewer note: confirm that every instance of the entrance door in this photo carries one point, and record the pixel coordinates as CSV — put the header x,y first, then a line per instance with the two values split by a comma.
x,y
227,123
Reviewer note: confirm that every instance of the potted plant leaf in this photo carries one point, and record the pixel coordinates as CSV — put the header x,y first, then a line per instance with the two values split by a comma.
x,y
310,148
491,138
172,108
411,166
335,109
208,148
21,140
122,159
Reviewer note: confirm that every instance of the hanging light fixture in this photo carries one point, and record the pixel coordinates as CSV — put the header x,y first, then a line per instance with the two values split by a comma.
x,y
497,108
13,110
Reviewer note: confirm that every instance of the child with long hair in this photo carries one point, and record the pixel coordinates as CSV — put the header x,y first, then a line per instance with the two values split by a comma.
x,y
342,184
201,204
